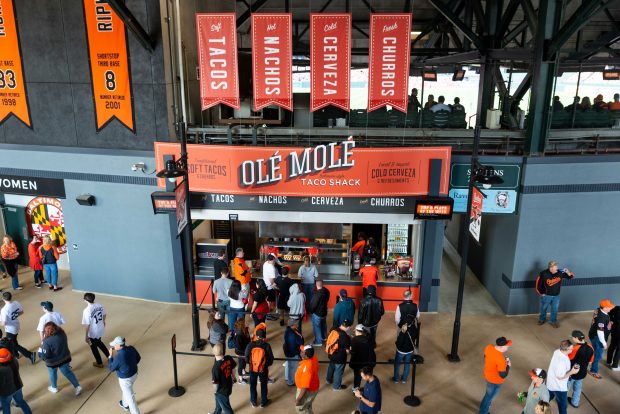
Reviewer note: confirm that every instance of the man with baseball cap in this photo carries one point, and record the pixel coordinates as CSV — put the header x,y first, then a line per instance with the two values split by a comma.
x,y
558,374
49,316
599,333
496,369
581,356
537,391
338,347
306,380
124,361
548,286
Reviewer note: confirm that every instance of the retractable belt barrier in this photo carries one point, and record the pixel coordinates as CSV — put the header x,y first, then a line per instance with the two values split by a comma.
x,y
177,391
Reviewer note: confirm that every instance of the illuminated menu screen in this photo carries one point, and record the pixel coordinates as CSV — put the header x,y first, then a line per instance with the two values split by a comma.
x,y
434,208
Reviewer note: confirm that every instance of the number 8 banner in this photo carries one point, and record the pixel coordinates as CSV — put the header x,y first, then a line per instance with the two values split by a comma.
x,y
109,65
13,97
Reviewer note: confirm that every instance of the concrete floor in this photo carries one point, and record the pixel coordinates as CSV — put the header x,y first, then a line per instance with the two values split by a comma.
x,y
442,386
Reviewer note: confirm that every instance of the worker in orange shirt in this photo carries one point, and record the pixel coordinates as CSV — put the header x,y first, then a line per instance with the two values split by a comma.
x,y
369,274
359,246
241,271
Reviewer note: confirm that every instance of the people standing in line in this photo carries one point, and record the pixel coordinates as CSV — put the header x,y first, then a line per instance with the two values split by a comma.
x,y
371,311
613,351
292,341
362,354
599,333
581,355
124,361
49,316
9,318
220,288
405,308
241,271
370,394
296,303
405,346
344,309
237,302
338,346
548,286
49,259
284,283
217,330
222,378
308,274
56,355
34,260
219,264
269,277
11,384
306,380
94,320
369,274
496,370
242,340
260,357
537,391
558,374
10,257
260,306
318,309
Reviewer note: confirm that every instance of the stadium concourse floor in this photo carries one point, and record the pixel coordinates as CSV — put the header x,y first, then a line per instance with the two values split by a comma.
x,y
442,386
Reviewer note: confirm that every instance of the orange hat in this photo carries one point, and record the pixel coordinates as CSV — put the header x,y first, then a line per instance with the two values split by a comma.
x,y
606,303
5,355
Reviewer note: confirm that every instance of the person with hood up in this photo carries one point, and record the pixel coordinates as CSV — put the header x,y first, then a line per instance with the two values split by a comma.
x,y
296,303
371,311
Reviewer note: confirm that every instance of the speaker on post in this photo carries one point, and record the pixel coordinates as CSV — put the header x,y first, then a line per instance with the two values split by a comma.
x,y
85,200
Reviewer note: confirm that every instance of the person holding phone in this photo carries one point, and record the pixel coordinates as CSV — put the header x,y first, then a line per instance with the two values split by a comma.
x,y
581,356
558,374
124,361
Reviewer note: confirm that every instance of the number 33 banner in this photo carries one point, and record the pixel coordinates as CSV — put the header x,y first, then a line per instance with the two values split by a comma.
x,y
109,65
13,99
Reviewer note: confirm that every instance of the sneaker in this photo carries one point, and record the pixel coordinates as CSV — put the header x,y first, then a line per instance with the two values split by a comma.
x,y
317,344
271,380
33,357
242,381
124,407
394,380
541,322
556,325
51,287
19,288
52,390
253,405
96,365
78,390
57,288
403,381
37,285
615,368
570,402
342,387
265,404
328,382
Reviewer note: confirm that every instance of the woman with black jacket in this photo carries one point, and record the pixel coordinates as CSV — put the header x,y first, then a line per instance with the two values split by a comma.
x,y
242,340
55,352
11,383
404,348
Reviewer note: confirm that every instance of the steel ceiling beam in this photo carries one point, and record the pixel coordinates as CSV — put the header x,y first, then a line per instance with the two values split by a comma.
x,y
457,22
372,10
507,18
361,31
612,19
530,15
592,48
254,7
465,57
476,6
512,35
132,24
407,6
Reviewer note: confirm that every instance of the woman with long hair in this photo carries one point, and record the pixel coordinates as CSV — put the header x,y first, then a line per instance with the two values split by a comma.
x,y
242,339
238,301
10,256
49,258
55,352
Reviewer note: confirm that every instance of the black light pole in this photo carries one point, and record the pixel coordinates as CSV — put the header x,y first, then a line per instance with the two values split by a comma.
x,y
173,170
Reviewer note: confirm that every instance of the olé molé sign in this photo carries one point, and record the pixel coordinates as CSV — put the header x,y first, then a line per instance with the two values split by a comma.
x,y
330,170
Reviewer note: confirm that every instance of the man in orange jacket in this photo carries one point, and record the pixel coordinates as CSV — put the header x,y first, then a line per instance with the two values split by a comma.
x,y
241,271
496,369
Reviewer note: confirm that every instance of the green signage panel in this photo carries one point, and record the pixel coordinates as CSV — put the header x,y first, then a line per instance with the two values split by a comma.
x,y
510,173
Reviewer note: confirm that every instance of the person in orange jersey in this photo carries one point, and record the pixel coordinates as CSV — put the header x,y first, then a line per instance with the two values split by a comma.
x,y
548,286
241,271
306,380
496,369
369,274
10,256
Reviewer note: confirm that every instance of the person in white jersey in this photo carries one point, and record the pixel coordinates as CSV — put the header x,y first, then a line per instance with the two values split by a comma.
x,y
9,315
49,316
93,318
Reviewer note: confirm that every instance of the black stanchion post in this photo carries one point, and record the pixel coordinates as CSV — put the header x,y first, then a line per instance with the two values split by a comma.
x,y
412,400
175,391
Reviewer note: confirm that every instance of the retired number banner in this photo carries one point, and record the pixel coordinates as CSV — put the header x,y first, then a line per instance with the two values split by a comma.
x,y
330,60
272,60
13,97
389,61
217,58
109,65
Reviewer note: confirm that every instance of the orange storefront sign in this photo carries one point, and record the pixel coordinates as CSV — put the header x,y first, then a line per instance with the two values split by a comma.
x,y
109,65
335,169
13,97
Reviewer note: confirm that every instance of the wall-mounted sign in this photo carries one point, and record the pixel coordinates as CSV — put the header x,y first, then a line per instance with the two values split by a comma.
x,y
12,184
435,208
272,54
332,170
164,202
217,58
13,95
388,66
501,198
46,219
330,60
475,216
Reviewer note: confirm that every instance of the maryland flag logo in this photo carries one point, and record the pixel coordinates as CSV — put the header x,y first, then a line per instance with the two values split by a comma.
x,y
46,219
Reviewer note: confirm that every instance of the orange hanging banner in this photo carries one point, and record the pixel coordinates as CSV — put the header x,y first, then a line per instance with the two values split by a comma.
x,y
109,65
13,97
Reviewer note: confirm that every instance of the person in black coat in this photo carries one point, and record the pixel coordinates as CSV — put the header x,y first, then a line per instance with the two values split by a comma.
x,y
371,311
362,354
55,352
404,348
318,309
284,283
11,383
613,352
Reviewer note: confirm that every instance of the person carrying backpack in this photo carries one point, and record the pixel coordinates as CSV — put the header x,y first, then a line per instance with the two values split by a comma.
x,y
404,348
337,347
260,357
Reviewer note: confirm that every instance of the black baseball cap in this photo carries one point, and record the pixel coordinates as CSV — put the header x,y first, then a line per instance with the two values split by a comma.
x,y
502,341
346,323
578,335
47,305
